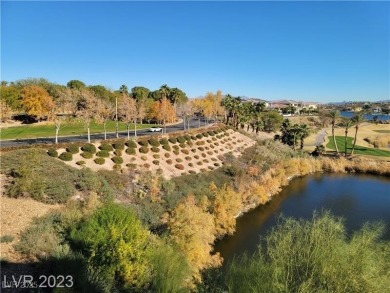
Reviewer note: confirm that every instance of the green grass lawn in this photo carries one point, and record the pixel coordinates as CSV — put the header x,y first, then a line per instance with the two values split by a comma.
x,y
33,131
358,149
382,131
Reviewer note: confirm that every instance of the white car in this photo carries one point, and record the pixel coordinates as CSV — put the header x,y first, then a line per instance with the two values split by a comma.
x,y
155,129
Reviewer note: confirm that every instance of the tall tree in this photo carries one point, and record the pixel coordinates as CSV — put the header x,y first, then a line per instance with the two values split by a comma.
x,y
11,95
104,111
140,93
334,115
348,123
87,109
304,132
358,118
128,113
36,101
125,93
163,111
271,120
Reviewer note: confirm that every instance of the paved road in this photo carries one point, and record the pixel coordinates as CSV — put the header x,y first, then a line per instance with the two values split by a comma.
x,y
194,123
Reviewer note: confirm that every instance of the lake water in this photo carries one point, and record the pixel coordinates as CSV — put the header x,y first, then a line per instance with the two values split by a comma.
x,y
369,117
357,198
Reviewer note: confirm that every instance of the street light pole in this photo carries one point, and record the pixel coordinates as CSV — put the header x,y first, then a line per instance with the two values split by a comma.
x,y
116,117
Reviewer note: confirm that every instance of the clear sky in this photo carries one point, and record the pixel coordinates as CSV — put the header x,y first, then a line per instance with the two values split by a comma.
x,y
317,51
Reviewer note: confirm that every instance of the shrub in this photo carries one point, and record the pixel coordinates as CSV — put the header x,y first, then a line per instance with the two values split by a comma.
x,y
117,167
131,144
156,156
118,153
143,143
155,149
203,170
99,161
201,148
144,158
167,155
201,142
179,160
216,143
179,166
80,163
214,139
211,146
184,151
205,134
203,155
205,160
156,162
172,140
209,152
214,159
154,142
182,145
106,147
146,165
199,135
73,149
143,150
200,163
189,143
6,238
119,146
103,154
89,148
181,139
216,164
206,148
211,168
164,141
166,147
169,162
175,147
86,155
193,137
131,165
208,140
191,172
187,137
190,164
212,133
193,150
216,151
65,156
52,153
117,160
196,157
130,151
176,152
188,158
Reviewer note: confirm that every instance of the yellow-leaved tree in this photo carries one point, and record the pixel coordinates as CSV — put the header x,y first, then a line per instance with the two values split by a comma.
x,y
193,229
163,111
36,101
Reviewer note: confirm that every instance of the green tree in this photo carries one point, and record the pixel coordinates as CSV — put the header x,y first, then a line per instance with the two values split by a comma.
x,y
272,121
358,118
103,93
140,93
334,115
11,95
114,242
76,84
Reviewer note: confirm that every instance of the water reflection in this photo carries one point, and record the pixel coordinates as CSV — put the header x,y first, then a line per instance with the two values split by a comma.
x,y
357,198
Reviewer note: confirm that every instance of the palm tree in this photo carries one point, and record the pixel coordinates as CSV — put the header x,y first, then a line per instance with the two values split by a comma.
x,y
347,125
334,114
357,118
304,132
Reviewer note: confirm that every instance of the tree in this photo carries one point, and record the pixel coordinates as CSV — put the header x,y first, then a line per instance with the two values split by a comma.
x,y
348,123
125,93
358,118
271,120
193,230
140,93
5,111
104,111
333,115
87,109
304,132
76,84
103,93
128,112
36,101
163,111
11,95
116,245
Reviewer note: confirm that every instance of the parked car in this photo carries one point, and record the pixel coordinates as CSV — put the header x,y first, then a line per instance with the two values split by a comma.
x,y
155,129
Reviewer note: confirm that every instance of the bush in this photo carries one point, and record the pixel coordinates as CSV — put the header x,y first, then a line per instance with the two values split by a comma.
x,y
143,150
155,149
131,166
200,163
203,155
143,143
176,152
154,142
179,160
184,151
52,153
205,134
86,155
196,157
212,133
182,145
179,166
106,147
193,150
201,142
156,156
167,155
216,164
119,146
203,170
73,149
117,160
209,153
201,148
188,158
211,168
213,139
164,141
156,162
208,140
99,161
6,238
175,147
199,135
131,144
206,148
146,165
169,162
166,147
205,160
130,151
117,167
214,159
193,137
191,164
144,158
89,148
103,154
181,139
191,172
187,137
172,140
216,143
80,163
65,156
118,153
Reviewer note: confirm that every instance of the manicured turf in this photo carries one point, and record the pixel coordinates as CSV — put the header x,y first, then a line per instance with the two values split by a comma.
x,y
33,131
382,131
358,149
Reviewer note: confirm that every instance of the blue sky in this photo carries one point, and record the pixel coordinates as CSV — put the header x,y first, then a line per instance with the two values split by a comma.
x,y
318,51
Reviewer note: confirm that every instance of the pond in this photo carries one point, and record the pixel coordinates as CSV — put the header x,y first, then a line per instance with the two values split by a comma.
x,y
356,198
